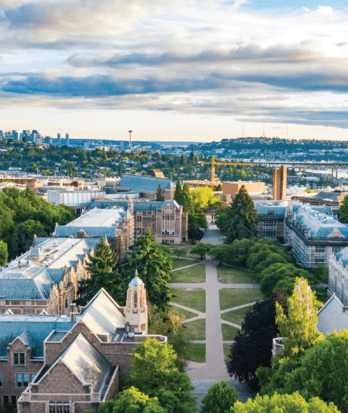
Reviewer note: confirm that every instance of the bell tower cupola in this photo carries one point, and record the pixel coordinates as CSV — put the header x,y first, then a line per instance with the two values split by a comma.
x,y
136,306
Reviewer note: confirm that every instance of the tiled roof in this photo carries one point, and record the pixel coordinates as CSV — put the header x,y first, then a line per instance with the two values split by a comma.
x,y
140,205
86,362
21,289
139,183
331,317
265,210
33,329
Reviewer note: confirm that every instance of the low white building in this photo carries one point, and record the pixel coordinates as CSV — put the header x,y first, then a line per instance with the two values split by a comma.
x,y
74,199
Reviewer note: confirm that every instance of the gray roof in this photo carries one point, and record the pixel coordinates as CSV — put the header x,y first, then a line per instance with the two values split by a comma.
x,y
140,205
33,330
343,256
30,277
140,183
95,223
331,317
86,363
136,282
267,210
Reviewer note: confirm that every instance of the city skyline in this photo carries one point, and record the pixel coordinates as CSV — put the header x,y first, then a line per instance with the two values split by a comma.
x,y
197,71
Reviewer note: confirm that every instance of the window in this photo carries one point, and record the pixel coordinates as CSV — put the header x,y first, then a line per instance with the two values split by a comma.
x,y
25,379
336,249
66,303
18,359
13,400
153,225
269,224
0,379
6,400
320,249
138,218
319,260
19,380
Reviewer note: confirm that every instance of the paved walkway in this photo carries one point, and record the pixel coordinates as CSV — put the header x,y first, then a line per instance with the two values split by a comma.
x,y
188,266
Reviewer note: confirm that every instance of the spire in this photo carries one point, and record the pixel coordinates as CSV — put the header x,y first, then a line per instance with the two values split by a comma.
x,y
136,282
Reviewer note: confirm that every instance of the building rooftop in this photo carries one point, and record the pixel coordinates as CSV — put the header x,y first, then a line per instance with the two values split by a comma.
x,y
332,317
95,223
30,276
141,183
320,225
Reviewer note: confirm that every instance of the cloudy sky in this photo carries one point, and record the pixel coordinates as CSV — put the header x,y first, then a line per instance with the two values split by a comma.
x,y
173,69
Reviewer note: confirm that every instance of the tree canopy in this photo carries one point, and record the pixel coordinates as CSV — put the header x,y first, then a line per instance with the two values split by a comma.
x,y
219,398
343,211
241,217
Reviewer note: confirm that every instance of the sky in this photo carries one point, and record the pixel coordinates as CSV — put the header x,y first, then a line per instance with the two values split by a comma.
x,y
193,70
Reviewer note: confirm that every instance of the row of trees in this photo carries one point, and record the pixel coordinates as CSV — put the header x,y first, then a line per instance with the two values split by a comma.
x,y
22,214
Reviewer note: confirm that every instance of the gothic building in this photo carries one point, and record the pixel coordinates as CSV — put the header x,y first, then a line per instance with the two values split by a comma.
x,y
68,364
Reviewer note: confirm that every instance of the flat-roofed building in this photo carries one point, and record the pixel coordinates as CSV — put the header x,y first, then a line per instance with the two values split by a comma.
x,y
46,277
116,224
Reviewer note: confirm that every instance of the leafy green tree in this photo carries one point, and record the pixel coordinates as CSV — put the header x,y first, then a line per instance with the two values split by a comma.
x,y
186,202
219,398
219,188
132,401
194,232
200,219
321,274
178,190
253,343
201,249
300,325
6,221
154,268
321,372
3,253
101,268
180,252
343,211
242,217
21,238
153,372
203,198
287,403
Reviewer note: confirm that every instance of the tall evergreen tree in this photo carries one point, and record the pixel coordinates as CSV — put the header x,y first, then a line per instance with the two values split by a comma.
x,y
159,194
343,211
102,275
178,190
154,269
241,217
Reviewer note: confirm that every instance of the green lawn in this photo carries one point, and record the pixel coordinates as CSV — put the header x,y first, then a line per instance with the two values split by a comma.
x,y
188,250
227,348
183,314
194,274
233,297
192,298
228,332
195,330
233,275
196,352
236,316
180,262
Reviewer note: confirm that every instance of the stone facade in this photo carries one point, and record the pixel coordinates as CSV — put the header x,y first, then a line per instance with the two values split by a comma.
x,y
43,279
338,276
80,362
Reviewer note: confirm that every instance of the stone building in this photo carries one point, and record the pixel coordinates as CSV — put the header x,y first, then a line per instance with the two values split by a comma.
x,y
166,220
117,224
270,220
147,186
313,235
45,279
338,275
68,364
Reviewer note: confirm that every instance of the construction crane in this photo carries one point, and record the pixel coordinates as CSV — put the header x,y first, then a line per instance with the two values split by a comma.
x,y
214,164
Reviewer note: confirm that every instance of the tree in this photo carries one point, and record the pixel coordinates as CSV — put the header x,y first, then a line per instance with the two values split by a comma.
x,y
3,253
321,274
200,219
321,372
154,268
153,372
287,403
159,194
203,199
178,190
300,325
219,399
132,401
219,188
186,202
343,211
21,238
101,268
194,232
179,252
253,343
201,249
242,217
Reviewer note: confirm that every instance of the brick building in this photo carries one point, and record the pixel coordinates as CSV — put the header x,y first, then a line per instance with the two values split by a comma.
x,y
46,277
67,364
166,220
117,224
279,182
230,189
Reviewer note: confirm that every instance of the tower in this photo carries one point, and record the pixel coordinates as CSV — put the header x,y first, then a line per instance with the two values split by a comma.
x,y
136,306
130,139
67,139
279,182
59,139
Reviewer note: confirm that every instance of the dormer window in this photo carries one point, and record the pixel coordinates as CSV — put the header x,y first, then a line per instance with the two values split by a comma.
x,y
18,359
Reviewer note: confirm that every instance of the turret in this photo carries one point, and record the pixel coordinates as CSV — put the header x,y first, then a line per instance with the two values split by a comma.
x,y
136,306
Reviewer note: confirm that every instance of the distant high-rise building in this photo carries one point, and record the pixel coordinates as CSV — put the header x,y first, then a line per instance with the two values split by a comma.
x,y
59,139
279,182
15,135
67,139
1,135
